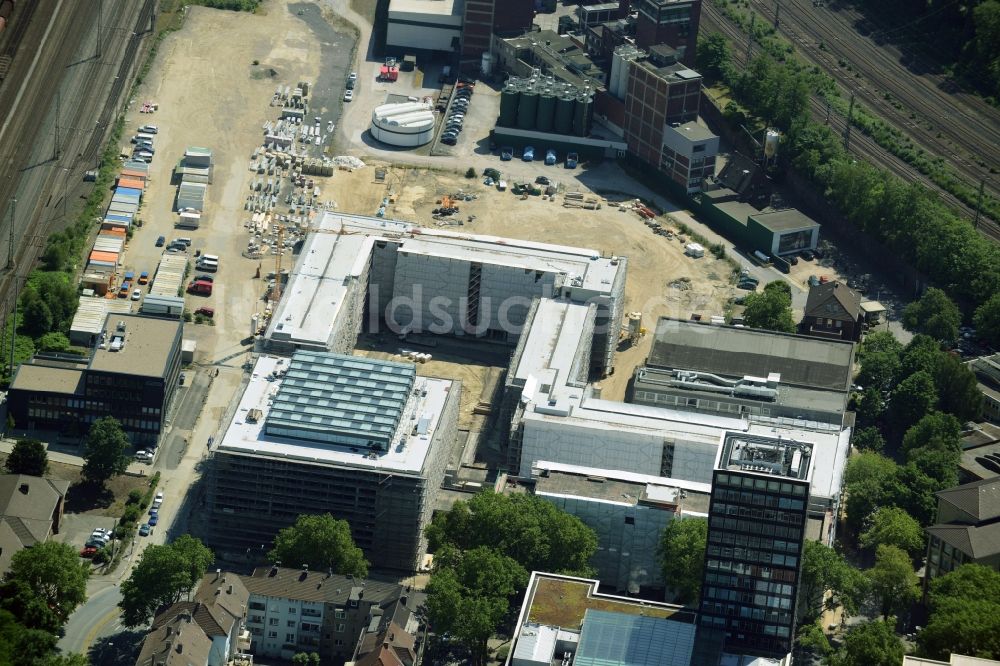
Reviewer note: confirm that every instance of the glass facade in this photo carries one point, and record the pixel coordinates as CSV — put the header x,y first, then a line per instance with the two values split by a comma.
x,y
753,559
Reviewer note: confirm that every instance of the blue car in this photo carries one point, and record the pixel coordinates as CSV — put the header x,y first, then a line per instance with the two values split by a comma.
x,y
153,520
528,154
550,157
144,529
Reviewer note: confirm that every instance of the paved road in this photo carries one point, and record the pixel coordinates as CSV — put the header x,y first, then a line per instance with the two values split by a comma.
x,y
96,619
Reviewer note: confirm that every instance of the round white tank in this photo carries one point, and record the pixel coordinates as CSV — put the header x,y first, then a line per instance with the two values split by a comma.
x,y
406,124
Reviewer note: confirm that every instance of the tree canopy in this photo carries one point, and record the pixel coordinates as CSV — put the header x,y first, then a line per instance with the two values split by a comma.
x,y
770,309
913,398
824,569
987,317
682,556
869,644
527,528
104,450
868,439
470,595
55,573
28,457
321,542
161,577
892,581
891,526
933,314
964,614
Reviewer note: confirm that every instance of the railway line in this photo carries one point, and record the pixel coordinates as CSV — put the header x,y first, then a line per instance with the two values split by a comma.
x,y
966,134
61,41
861,144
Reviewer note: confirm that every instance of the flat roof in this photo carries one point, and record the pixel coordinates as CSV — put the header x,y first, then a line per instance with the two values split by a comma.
x,y
738,210
148,343
50,379
325,395
552,343
246,433
437,7
767,456
788,219
92,312
620,639
332,262
733,351
624,488
694,132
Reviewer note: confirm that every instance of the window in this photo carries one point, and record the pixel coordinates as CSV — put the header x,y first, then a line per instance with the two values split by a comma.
x,y
341,614
340,626
273,622
630,520
291,624
338,642
292,610
272,634
290,638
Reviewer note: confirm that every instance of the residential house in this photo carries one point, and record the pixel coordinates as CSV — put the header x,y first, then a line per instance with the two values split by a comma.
x,y
833,310
31,510
297,610
392,646
179,641
967,528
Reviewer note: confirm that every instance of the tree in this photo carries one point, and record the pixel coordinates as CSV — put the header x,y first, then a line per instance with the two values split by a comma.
x,y
870,407
31,610
682,556
964,614
824,569
868,439
813,641
162,576
36,317
470,595
527,528
54,572
770,309
891,526
104,450
934,314
892,581
934,428
54,341
322,543
957,388
869,644
71,659
879,355
987,317
922,353
713,56
868,466
20,645
28,457
913,398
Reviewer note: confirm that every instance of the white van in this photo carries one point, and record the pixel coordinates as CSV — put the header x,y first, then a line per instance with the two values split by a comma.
x,y
209,257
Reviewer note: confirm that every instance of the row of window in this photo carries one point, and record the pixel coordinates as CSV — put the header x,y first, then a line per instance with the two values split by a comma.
x,y
757,483
756,527
749,584
755,542
732,617
751,556
751,498
755,570
760,602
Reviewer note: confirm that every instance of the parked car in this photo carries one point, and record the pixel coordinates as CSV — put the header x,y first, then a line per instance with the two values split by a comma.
x,y
149,129
807,255
506,153
818,253
153,511
136,294
793,260
528,154
160,241
145,530
158,496
543,180
571,160
348,95
813,281
144,456
205,312
144,277
353,76
153,520
204,278
88,551
449,139
550,157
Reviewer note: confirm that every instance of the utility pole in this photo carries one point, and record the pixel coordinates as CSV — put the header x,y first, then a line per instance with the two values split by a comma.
x,y
753,21
13,328
13,219
777,13
847,127
979,203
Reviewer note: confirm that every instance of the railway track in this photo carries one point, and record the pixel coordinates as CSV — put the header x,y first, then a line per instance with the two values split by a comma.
x,y
861,144
966,136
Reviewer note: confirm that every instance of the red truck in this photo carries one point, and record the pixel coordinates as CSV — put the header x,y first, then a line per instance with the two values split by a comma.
x,y
200,287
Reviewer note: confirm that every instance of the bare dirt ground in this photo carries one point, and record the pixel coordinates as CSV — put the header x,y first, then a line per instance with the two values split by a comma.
x,y
662,280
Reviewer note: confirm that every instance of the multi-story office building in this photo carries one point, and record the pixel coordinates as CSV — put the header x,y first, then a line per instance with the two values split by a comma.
x,y
756,528
132,374
670,22
297,610
362,439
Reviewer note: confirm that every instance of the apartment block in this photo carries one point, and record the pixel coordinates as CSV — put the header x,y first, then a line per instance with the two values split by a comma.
x,y
756,528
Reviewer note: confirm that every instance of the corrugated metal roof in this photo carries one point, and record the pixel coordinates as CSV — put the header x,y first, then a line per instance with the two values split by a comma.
x,y
98,255
327,397
130,191
91,313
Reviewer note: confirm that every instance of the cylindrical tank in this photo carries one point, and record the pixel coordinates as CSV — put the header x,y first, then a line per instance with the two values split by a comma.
x,y
546,111
487,64
582,114
509,99
771,140
527,109
563,121
254,324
